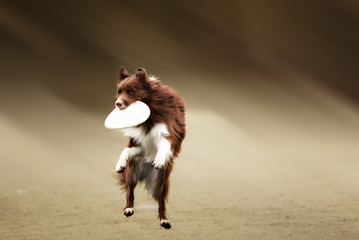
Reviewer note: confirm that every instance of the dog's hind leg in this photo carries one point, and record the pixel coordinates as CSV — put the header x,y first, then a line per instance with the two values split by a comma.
x,y
162,213
128,210
132,174
161,194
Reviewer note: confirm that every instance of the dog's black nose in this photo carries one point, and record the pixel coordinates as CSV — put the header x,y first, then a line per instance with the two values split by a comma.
x,y
118,104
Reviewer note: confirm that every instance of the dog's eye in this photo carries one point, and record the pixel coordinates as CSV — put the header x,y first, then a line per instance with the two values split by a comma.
x,y
119,91
129,91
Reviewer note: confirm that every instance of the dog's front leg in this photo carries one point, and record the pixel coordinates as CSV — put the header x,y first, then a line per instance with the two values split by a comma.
x,y
164,153
126,154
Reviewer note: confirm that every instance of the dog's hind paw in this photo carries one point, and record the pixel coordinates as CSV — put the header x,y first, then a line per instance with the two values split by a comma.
x,y
165,224
128,212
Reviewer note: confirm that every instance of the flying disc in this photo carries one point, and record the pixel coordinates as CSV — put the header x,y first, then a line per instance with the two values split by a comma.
x,y
135,114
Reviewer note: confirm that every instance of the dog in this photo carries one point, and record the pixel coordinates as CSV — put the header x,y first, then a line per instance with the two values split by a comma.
x,y
154,144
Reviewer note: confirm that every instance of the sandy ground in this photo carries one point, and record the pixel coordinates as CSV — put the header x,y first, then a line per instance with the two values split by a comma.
x,y
261,162
268,155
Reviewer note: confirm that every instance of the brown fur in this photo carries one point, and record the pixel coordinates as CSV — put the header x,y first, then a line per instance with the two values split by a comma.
x,y
166,107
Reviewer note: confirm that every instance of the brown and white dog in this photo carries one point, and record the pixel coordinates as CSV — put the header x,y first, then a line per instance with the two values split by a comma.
x,y
154,144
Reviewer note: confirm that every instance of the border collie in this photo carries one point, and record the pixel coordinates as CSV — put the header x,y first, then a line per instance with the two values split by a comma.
x,y
154,144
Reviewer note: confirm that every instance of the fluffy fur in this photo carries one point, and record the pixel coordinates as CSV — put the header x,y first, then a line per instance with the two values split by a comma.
x,y
154,144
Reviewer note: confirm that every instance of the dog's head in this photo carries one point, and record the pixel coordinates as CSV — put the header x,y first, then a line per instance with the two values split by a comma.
x,y
131,88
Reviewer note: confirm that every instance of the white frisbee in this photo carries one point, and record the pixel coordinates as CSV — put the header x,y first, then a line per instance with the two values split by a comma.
x,y
135,114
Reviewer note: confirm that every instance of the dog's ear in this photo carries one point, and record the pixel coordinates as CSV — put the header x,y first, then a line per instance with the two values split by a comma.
x,y
123,74
141,73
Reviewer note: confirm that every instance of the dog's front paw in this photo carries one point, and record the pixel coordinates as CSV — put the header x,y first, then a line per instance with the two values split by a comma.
x,y
122,161
120,166
165,224
128,212
120,170
159,162
163,155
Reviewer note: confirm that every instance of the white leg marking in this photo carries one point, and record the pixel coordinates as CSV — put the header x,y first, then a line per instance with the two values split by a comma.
x,y
126,154
165,223
163,153
128,211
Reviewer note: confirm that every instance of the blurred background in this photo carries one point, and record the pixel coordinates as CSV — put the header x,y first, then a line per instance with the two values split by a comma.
x,y
271,90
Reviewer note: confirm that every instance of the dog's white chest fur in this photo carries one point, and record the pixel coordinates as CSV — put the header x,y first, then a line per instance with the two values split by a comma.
x,y
152,145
